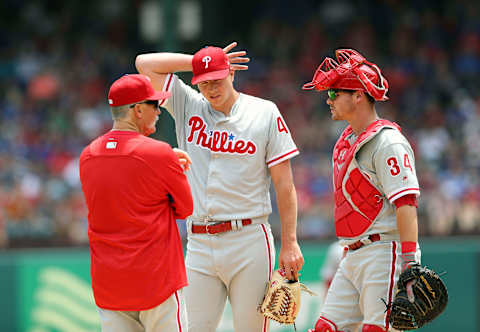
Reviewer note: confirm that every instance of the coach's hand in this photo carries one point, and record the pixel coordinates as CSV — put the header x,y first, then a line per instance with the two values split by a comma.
x,y
291,259
183,158
236,57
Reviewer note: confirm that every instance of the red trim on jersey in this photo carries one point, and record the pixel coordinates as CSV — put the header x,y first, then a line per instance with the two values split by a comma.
x,y
265,320
391,198
409,199
392,282
282,156
179,322
170,78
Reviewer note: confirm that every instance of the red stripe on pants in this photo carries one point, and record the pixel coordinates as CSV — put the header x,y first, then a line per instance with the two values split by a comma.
x,y
179,322
265,320
392,282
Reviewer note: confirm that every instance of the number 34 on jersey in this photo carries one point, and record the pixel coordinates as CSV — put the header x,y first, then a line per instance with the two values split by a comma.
x,y
395,164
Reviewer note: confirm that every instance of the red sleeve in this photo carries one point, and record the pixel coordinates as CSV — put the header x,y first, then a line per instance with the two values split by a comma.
x,y
168,173
176,184
410,199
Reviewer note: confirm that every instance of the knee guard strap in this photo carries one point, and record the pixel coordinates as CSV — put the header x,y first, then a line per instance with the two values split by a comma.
x,y
325,325
372,328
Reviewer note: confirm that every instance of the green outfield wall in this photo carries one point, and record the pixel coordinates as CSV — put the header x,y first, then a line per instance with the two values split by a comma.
x,y
49,290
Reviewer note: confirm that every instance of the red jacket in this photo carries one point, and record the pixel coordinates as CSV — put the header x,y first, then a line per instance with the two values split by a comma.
x,y
135,188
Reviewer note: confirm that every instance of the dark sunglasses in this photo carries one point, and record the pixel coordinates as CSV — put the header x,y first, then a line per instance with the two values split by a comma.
x,y
333,93
154,103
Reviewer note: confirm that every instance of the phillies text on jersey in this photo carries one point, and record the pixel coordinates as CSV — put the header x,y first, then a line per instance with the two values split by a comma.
x,y
217,141
252,138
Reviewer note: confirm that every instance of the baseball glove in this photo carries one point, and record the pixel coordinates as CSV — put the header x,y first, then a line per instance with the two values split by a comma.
x,y
282,298
421,296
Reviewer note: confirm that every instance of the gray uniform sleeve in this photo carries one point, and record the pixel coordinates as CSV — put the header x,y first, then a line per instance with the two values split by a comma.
x,y
395,166
182,94
280,146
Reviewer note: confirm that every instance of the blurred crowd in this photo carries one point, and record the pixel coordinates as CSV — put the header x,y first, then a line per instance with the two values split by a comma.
x,y
56,66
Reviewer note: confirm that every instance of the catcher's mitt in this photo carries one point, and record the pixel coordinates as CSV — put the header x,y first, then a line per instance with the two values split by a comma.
x,y
421,296
282,298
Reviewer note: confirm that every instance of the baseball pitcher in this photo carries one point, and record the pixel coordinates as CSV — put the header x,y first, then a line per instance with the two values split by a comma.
x,y
238,144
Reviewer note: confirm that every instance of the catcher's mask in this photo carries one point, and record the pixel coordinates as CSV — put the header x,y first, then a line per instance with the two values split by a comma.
x,y
351,72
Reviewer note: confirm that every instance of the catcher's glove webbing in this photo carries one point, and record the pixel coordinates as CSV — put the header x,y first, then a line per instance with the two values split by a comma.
x,y
421,296
282,298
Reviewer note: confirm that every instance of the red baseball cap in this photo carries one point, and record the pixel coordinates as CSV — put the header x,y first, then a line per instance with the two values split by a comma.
x,y
210,63
133,88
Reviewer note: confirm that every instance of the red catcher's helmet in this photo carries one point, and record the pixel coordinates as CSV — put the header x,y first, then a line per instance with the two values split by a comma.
x,y
351,72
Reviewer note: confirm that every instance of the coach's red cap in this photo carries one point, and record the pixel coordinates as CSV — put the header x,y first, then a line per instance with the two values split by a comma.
x,y
210,63
131,89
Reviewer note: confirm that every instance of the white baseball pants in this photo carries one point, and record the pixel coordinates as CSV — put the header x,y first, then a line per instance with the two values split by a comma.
x,y
235,264
169,316
364,277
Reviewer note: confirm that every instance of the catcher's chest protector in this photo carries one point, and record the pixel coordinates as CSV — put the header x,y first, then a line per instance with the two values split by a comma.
x,y
357,201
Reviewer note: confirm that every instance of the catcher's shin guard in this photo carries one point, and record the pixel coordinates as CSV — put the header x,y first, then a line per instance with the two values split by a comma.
x,y
324,325
372,328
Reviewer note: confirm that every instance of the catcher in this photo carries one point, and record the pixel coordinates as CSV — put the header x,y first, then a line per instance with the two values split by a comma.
x,y
375,191
282,298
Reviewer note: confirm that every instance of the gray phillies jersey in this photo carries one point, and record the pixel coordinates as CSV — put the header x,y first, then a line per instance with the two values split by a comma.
x,y
389,162
230,154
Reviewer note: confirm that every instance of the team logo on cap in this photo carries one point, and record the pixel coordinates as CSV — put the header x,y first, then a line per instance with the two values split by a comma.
x,y
206,59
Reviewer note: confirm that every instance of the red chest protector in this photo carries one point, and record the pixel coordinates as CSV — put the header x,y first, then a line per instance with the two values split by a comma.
x,y
357,201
